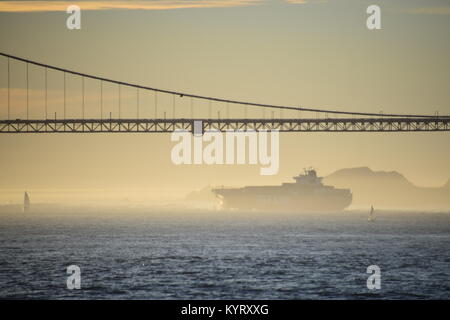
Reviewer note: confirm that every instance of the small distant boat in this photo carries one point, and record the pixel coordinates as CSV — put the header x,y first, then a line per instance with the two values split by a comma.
x,y
26,202
371,214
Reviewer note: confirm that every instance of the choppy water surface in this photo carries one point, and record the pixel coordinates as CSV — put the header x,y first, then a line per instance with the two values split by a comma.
x,y
215,256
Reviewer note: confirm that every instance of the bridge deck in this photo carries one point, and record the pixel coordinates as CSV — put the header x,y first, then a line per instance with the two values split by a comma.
x,y
169,125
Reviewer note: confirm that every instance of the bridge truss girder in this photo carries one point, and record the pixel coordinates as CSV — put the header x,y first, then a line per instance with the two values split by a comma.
x,y
170,125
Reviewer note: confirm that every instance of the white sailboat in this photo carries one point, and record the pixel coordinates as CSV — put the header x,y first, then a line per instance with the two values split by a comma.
x,y
26,202
371,214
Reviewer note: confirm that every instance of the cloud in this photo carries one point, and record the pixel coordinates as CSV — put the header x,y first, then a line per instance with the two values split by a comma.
x,y
41,6
431,10
296,1
305,1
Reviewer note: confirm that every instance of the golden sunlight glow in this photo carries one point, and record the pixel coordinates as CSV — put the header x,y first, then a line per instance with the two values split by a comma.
x,y
40,6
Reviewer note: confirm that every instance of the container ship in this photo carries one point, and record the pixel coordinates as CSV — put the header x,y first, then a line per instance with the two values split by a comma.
x,y
306,194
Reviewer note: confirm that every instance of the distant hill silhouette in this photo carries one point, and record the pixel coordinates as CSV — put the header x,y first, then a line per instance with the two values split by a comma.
x,y
447,185
388,189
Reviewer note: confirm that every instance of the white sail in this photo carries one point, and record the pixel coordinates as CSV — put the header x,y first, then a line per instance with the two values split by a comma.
x,y
26,202
371,214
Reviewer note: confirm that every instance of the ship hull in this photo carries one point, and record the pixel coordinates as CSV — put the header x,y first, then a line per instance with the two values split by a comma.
x,y
284,204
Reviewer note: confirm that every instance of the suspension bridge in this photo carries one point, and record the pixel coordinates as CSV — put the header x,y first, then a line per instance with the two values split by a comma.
x,y
68,108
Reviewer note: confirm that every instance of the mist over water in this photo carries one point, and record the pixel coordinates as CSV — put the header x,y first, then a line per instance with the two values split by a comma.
x,y
162,253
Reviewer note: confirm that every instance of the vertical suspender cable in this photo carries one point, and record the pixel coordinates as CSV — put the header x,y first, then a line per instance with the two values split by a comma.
x,y
173,106
137,102
27,93
192,108
119,100
82,89
209,109
64,111
101,100
46,95
156,104
9,88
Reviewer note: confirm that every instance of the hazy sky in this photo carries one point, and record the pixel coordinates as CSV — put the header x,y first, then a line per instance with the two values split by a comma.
x,y
308,53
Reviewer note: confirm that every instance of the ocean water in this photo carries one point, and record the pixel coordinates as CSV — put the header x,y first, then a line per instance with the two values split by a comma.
x,y
213,255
